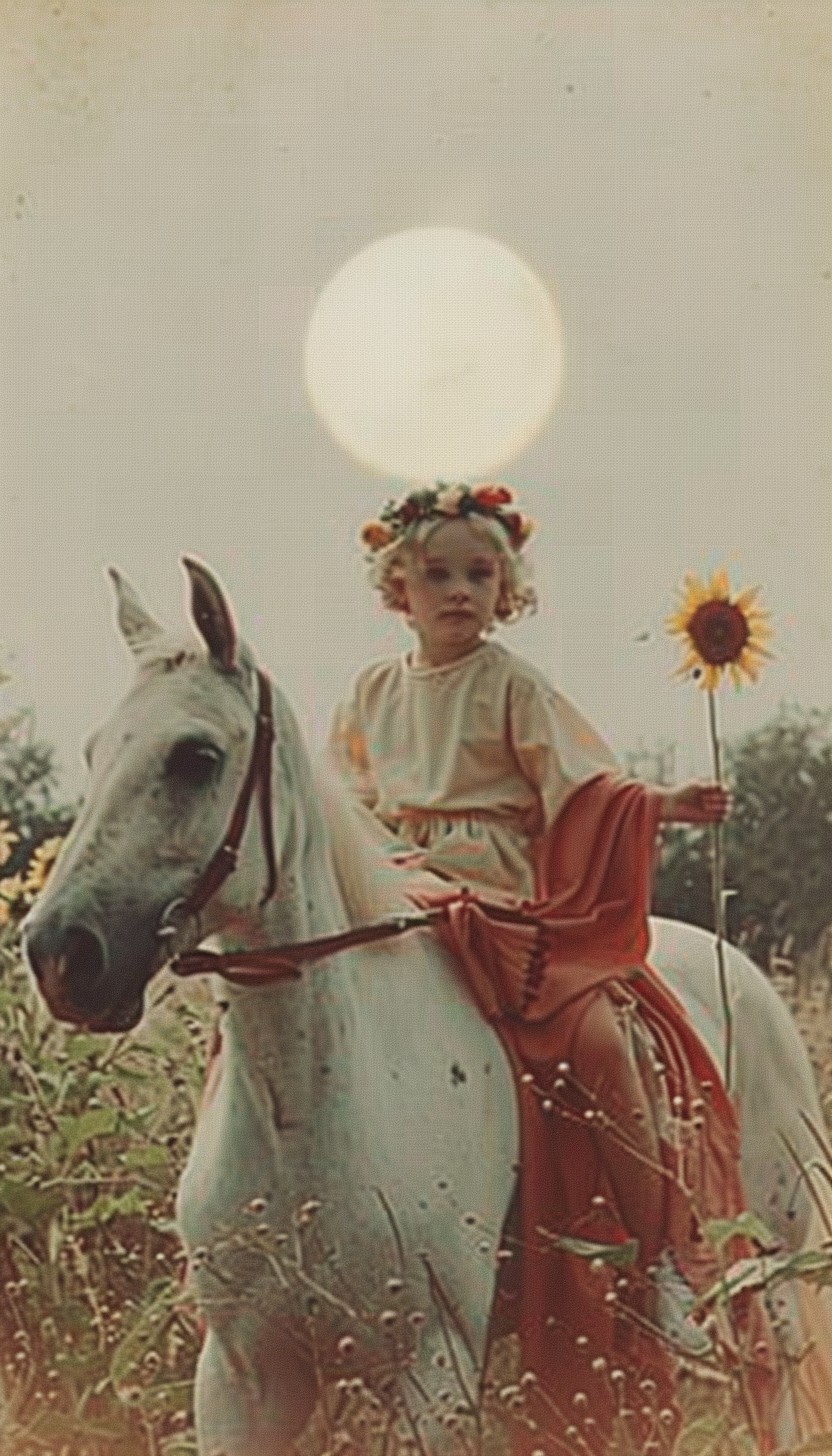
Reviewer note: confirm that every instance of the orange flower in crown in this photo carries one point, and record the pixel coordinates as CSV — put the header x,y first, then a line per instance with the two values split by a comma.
x,y
376,535
488,498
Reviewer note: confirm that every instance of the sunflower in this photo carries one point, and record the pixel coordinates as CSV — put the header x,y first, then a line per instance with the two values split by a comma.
x,y
40,865
720,633
8,839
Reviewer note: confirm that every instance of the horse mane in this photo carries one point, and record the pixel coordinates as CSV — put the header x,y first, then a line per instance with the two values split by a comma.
x,y
371,887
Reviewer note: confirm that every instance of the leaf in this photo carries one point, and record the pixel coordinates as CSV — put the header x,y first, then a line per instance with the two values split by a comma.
x,y
155,1155
619,1255
719,1230
767,1271
81,1046
31,1205
11,1135
136,1076
814,1265
146,1331
95,1122
110,1206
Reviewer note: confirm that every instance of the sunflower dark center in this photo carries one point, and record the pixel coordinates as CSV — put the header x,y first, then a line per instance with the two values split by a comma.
x,y
719,632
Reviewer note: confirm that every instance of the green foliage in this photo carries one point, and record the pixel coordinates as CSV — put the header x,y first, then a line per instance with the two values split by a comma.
x,y
98,1343
780,836
682,885
28,787
778,840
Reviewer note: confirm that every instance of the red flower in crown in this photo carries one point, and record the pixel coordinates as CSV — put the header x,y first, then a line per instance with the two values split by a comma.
x,y
409,511
519,528
490,496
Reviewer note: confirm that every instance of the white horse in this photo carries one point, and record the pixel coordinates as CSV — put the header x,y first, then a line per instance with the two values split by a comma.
x,y
352,1168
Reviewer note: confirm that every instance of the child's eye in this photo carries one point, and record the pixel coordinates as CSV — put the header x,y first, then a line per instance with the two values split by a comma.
x,y
435,573
482,573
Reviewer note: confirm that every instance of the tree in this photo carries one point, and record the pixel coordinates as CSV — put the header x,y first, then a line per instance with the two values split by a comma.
x,y
28,785
778,840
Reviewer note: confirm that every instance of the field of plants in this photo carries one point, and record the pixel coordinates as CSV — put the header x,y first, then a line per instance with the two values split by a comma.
x,y
98,1345
97,1335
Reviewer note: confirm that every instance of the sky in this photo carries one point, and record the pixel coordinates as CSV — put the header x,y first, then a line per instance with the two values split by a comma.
x,y
180,180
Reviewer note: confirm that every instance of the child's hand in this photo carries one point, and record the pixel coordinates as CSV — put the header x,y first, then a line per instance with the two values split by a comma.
x,y
696,803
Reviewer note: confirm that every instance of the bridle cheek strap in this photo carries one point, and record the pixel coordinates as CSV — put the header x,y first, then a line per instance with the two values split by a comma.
x,y
263,746
258,776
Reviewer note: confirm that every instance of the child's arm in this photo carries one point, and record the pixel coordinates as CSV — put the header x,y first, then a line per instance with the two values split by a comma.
x,y
695,803
557,748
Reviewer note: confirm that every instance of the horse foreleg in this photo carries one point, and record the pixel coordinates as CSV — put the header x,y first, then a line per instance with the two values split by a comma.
x,y
254,1392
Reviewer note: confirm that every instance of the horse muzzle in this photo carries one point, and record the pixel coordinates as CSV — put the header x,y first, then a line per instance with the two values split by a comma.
x,y
71,972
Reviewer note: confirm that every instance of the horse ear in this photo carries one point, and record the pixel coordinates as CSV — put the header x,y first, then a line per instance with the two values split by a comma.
x,y
212,615
135,623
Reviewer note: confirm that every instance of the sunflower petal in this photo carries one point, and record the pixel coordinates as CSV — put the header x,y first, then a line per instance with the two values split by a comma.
x,y
677,624
748,666
696,591
720,586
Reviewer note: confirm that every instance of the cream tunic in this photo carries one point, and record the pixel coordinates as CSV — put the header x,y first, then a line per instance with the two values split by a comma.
x,y
466,763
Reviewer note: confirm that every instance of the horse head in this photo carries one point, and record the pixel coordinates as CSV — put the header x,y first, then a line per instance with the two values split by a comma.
x,y
165,774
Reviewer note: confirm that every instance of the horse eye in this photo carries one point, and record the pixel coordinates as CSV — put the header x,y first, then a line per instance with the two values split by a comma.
x,y
193,762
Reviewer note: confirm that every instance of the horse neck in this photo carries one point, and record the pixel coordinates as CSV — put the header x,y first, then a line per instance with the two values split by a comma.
x,y
318,1008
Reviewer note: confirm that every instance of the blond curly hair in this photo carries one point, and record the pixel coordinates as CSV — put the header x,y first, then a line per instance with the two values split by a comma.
x,y
517,596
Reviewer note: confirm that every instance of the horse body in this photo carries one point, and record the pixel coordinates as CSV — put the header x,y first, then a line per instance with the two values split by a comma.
x,y
354,1162
773,1078
321,1100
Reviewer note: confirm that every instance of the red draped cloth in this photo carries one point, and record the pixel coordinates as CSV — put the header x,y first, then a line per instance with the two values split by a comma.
x,y
625,1127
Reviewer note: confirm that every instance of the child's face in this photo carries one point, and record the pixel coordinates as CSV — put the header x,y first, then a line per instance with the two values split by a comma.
x,y
451,587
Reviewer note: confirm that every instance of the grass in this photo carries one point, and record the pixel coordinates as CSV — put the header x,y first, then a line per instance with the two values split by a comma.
x,y
97,1339
98,1345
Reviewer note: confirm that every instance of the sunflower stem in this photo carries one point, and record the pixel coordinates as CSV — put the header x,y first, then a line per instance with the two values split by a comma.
x,y
718,893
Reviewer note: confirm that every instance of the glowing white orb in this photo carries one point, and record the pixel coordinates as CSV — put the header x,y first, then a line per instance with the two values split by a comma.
x,y
434,354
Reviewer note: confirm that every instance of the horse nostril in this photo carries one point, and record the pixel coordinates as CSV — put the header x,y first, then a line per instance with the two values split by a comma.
x,y
82,967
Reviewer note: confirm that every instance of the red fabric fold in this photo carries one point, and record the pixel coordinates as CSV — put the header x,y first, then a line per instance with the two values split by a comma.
x,y
567,994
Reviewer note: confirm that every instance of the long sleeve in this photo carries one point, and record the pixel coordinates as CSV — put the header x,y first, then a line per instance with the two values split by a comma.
x,y
555,747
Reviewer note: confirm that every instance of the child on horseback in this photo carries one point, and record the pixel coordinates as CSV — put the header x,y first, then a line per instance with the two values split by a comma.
x,y
500,798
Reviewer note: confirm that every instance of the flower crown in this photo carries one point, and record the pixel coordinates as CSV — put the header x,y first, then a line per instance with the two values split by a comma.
x,y
452,502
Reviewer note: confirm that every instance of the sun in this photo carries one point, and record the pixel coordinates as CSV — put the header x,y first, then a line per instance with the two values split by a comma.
x,y
720,633
434,354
